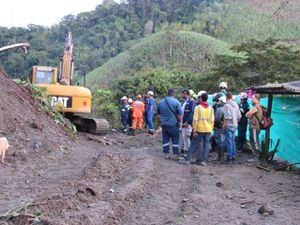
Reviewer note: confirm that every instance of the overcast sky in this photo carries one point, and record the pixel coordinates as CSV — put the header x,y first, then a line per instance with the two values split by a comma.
x,y
41,12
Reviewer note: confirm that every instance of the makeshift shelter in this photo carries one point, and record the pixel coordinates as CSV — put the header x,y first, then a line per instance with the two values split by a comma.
x,y
285,110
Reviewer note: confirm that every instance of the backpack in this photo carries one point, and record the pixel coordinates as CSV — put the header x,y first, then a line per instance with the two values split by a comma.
x,y
219,123
266,122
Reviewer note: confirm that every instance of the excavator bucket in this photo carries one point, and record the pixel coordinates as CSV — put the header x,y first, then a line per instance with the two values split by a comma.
x,y
90,125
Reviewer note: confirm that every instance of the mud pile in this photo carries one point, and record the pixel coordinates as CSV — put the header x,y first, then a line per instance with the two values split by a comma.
x,y
29,131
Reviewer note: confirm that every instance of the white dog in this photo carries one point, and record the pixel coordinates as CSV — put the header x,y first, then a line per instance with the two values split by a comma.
x,y
4,145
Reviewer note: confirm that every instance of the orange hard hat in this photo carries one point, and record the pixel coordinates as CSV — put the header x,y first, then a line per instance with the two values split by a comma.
x,y
138,96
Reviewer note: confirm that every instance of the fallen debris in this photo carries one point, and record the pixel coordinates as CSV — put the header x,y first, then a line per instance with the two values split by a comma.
x,y
247,202
98,139
262,209
185,200
265,210
91,191
220,184
263,168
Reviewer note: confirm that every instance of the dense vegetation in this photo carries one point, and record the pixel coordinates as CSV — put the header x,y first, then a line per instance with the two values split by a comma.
x,y
169,50
251,63
182,46
138,45
235,23
98,35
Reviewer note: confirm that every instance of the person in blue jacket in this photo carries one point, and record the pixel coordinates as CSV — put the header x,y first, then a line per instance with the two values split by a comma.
x,y
150,112
170,116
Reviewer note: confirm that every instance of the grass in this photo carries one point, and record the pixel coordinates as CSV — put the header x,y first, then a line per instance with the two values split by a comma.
x,y
237,23
166,49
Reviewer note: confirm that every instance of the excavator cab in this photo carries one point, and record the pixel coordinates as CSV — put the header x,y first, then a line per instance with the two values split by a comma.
x,y
66,98
44,75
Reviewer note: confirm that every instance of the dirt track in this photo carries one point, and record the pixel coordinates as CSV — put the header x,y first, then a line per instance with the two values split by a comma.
x,y
127,181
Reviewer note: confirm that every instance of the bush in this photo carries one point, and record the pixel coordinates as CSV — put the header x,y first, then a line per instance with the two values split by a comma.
x,y
105,105
156,80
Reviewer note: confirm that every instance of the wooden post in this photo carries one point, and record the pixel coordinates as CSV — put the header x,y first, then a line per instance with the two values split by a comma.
x,y
84,79
268,131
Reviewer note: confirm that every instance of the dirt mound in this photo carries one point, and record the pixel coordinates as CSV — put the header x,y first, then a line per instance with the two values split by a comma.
x,y
28,130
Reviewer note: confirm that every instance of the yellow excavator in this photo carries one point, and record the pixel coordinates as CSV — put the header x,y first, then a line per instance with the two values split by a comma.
x,y
73,101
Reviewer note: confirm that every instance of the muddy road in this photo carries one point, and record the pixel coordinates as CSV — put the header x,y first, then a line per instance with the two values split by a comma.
x,y
125,180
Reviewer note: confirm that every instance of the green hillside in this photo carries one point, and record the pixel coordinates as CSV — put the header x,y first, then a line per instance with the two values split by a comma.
x,y
184,47
112,28
238,22
290,11
99,35
169,50
129,47
242,24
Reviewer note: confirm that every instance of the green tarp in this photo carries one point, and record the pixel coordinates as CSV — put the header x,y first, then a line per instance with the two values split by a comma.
x,y
286,116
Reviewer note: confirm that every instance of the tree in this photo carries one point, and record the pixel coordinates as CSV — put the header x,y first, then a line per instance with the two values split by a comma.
x,y
260,62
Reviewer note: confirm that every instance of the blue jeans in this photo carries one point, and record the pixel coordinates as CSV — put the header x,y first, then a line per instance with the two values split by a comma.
x,y
201,140
170,132
230,139
220,138
150,121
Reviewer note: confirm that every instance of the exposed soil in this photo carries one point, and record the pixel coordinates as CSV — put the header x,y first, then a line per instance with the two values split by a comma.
x,y
118,179
28,130
125,180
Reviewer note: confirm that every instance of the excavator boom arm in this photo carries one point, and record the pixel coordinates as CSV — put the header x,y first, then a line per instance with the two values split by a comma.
x,y
24,46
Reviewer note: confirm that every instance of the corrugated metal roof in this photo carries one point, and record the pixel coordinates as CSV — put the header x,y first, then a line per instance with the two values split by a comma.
x,y
290,88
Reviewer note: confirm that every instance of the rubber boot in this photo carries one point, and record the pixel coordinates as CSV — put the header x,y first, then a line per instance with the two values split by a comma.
x,y
132,132
221,154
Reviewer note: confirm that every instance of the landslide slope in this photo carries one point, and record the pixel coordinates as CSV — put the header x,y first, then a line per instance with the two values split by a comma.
x,y
29,131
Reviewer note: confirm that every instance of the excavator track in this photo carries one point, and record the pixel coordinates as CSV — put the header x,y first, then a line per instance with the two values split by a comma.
x,y
90,125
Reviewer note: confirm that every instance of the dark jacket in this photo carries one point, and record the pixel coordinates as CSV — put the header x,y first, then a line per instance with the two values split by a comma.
x,y
125,109
130,112
219,117
188,111
244,108
219,95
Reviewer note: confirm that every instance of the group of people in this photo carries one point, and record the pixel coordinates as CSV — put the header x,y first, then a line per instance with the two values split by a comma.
x,y
196,122
133,113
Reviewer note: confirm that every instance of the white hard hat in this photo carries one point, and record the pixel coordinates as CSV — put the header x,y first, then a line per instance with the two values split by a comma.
x,y
243,95
130,100
223,99
201,92
151,93
124,98
223,85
